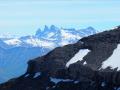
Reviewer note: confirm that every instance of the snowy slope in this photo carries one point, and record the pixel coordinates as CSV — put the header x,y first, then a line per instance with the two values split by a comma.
x,y
13,41
114,60
49,37
78,57
62,36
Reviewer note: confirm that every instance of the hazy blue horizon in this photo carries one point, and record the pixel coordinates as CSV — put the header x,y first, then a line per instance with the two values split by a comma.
x,y
23,17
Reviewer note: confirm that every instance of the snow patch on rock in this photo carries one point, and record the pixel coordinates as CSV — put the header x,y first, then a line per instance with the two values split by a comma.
x,y
114,60
56,80
78,56
37,74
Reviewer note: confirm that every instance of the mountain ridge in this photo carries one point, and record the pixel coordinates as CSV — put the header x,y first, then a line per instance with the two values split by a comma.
x,y
50,71
20,50
51,34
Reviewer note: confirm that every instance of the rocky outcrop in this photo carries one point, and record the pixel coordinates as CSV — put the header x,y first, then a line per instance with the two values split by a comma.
x,y
85,74
102,46
55,60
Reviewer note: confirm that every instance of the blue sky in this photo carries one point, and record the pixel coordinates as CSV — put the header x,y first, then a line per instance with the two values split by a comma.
x,y
22,17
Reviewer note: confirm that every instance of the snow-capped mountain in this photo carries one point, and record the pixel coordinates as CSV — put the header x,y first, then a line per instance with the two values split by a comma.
x,y
92,63
48,37
62,36
15,52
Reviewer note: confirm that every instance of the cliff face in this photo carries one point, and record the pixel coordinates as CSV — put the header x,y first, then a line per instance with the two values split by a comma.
x,y
87,69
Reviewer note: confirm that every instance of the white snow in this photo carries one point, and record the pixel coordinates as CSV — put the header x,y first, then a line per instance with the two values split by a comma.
x,y
37,74
77,57
14,41
103,84
114,60
27,75
115,27
56,80
75,82
85,63
67,35
65,42
40,43
50,34
118,88
34,42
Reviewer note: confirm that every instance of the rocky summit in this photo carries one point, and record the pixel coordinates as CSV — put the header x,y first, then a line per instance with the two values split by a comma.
x,y
92,63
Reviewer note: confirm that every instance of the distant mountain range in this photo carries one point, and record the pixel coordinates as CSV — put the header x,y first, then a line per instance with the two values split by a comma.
x,y
50,37
15,52
92,63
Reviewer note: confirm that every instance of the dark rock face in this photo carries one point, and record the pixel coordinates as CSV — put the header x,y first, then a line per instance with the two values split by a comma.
x,y
55,60
44,83
78,76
